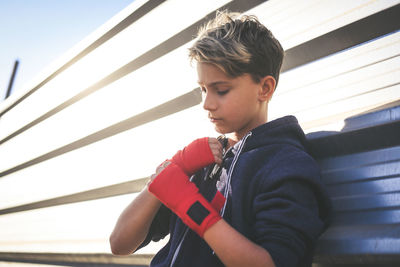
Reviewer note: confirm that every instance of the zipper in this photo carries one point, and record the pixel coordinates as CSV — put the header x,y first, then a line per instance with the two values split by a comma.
x,y
178,248
230,171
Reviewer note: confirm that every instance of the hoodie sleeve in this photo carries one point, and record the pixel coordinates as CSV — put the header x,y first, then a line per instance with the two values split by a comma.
x,y
159,227
287,209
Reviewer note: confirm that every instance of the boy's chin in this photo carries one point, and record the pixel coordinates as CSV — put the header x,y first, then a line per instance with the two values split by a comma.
x,y
222,130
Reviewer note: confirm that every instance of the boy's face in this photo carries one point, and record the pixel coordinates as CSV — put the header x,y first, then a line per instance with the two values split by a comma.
x,y
234,105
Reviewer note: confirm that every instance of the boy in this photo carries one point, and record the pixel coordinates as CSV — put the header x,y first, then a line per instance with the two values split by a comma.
x,y
253,199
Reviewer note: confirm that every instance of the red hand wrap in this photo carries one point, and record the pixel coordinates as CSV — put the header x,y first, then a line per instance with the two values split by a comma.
x,y
173,188
194,156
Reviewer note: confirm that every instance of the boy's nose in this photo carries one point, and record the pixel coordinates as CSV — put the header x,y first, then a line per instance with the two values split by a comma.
x,y
208,102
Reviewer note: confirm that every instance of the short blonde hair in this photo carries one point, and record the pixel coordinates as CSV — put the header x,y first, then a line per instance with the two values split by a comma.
x,y
238,44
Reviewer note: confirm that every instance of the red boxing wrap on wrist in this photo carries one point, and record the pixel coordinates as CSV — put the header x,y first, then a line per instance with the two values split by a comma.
x,y
194,156
173,188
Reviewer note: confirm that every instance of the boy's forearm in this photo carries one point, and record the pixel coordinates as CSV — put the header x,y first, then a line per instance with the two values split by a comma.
x,y
134,223
234,249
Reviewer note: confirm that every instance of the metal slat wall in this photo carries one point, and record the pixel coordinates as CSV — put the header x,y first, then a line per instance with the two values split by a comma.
x,y
360,166
76,145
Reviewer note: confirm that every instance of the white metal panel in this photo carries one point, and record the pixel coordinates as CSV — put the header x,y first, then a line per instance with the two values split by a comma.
x,y
71,53
319,93
129,155
295,22
139,91
340,63
23,264
348,85
149,31
73,228
78,121
327,15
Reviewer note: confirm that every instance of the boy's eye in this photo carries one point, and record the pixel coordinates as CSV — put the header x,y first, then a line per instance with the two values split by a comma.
x,y
224,92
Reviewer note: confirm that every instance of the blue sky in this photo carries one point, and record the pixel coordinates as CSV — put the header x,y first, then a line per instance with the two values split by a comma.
x,y
36,32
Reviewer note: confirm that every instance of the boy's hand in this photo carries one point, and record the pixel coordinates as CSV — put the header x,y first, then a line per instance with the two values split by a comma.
x,y
198,154
216,149
173,188
171,184
159,169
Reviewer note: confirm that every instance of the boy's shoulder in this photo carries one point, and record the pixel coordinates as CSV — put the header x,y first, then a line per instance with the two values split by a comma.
x,y
283,138
288,164
285,157
279,161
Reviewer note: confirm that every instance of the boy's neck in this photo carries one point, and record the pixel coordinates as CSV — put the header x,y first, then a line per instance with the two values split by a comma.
x,y
235,137
231,142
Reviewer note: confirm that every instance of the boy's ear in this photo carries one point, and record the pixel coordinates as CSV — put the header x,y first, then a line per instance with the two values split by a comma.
x,y
268,84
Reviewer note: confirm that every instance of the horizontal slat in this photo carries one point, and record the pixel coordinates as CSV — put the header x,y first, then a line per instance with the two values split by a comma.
x,y
378,171
376,244
24,264
387,216
134,186
372,138
367,202
317,17
81,259
383,185
360,159
391,113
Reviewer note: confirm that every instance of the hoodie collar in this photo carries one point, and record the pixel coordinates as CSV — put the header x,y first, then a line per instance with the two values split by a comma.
x,y
285,130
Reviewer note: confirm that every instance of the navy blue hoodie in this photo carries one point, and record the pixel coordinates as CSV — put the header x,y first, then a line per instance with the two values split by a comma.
x,y
274,197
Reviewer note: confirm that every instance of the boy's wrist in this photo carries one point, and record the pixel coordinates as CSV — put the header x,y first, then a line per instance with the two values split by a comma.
x,y
194,156
150,196
173,188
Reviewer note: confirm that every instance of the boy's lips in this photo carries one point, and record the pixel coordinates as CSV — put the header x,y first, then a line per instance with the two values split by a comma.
x,y
214,119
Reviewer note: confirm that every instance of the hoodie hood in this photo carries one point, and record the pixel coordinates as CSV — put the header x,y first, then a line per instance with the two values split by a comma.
x,y
285,130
